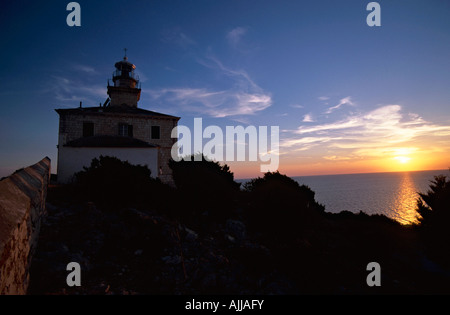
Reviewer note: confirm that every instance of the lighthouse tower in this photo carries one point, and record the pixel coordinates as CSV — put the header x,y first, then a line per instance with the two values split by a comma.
x,y
118,128
126,90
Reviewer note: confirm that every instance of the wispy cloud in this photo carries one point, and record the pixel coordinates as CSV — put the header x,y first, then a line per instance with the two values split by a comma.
x,y
337,158
308,118
214,103
244,97
323,98
350,122
240,76
69,92
294,142
234,36
84,68
177,37
383,131
345,101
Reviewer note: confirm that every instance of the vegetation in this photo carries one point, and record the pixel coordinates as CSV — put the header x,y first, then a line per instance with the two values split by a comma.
x,y
204,187
280,206
434,210
111,182
206,235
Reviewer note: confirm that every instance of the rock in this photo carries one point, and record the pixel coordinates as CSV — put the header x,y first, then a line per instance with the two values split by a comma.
x,y
190,235
209,281
236,229
172,260
230,238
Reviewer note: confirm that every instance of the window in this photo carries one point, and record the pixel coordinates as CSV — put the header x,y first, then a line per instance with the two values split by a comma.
x,y
156,133
88,129
125,130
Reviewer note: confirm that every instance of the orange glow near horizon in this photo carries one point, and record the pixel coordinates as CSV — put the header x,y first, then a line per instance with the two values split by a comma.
x,y
319,166
402,159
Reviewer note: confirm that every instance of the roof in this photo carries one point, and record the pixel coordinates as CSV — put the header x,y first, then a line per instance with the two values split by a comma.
x,y
109,142
115,110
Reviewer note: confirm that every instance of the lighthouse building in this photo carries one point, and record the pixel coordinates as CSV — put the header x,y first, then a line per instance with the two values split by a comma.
x,y
117,128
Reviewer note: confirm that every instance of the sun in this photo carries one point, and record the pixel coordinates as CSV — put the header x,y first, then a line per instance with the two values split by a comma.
x,y
402,159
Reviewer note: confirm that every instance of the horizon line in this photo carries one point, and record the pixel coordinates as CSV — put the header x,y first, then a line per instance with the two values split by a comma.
x,y
361,173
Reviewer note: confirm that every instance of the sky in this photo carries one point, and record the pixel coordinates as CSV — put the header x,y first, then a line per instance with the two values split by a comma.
x,y
347,97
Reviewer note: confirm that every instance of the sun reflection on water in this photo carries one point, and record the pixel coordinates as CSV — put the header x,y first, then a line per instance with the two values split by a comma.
x,y
404,205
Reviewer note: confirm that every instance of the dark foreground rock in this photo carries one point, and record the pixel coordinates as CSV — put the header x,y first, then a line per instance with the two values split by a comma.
x,y
141,251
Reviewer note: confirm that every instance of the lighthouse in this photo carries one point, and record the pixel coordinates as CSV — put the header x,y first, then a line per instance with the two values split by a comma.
x,y
125,90
118,128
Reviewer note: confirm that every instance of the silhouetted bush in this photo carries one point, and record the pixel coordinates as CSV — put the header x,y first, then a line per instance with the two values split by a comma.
x,y
279,207
112,182
434,210
204,186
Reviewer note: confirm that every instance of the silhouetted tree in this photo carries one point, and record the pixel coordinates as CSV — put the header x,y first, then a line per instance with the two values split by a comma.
x,y
280,207
112,182
434,210
204,186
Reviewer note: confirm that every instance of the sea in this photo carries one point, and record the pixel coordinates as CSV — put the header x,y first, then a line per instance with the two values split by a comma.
x,y
392,194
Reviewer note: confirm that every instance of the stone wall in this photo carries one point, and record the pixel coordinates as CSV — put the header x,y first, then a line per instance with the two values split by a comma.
x,y
22,205
71,127
124,95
